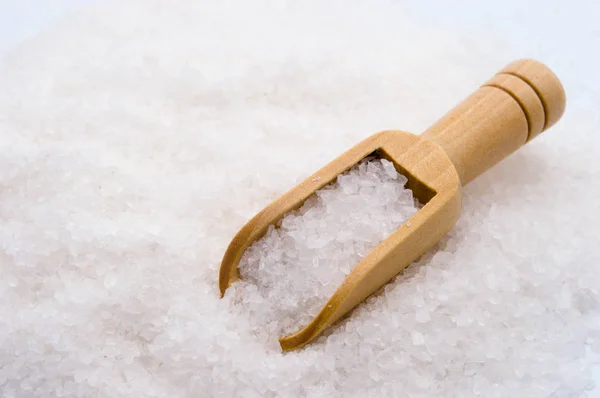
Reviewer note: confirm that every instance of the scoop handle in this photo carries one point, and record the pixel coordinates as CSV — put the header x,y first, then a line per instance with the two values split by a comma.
x,y
517,104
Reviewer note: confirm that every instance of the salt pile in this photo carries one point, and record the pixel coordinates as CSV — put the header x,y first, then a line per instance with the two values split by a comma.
x,y
137,139
294,269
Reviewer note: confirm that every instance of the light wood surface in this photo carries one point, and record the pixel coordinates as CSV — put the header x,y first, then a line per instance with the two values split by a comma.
x,y
513,107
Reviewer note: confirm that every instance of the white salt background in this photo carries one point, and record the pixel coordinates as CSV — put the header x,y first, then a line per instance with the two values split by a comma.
x,y
137,139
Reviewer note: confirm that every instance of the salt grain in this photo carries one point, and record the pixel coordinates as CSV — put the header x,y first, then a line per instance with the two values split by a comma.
x,y
417,338
422,315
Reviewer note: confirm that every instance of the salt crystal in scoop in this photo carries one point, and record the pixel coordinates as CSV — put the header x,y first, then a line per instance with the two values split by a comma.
x,y
295,268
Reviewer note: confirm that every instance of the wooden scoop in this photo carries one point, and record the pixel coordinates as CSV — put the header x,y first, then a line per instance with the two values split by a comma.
x,y
522,100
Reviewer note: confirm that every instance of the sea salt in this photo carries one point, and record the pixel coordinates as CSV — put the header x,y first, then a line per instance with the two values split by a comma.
x,y
297,266
138,137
